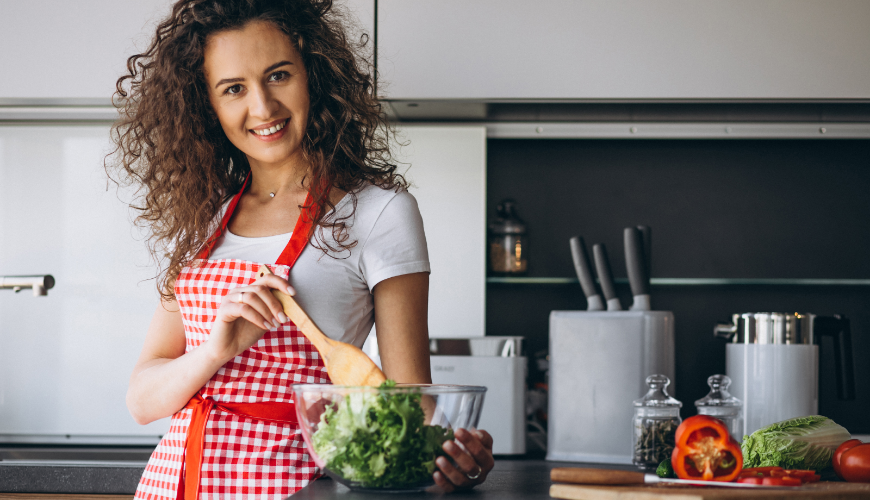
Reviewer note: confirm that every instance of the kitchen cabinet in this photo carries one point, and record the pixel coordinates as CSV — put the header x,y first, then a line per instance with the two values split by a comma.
x,y
447,168
73,52
624,49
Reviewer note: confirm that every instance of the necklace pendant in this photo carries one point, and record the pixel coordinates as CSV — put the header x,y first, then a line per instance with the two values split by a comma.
x,y
271,195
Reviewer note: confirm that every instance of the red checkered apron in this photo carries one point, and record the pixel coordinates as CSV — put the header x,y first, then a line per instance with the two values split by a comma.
x,y
245,450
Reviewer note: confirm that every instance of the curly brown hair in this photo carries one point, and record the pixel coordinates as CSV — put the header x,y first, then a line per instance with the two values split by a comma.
x,y
171,146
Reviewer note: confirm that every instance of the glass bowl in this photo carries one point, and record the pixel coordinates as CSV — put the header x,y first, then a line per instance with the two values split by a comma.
x,y
383,439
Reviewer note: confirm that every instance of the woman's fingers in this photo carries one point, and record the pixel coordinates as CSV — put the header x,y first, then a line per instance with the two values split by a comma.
x,y
455,476
236,308
256,297
265,286
479,445
443,482
276,282
472,460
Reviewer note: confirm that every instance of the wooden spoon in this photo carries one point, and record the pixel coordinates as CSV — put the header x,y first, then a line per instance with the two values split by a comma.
x,y
345,363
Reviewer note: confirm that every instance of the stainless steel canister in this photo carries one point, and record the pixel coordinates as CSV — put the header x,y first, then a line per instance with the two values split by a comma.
x,y
773,361
769,328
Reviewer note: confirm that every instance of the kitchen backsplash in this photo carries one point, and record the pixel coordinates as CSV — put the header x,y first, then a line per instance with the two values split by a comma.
x,y
718,209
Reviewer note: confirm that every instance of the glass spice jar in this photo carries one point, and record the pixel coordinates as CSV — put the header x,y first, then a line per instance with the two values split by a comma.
x,y
508,242
721,404
656,418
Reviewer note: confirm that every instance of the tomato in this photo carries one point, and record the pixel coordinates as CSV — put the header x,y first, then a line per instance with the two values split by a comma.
x,y
839,453
749,480
855,464
704,450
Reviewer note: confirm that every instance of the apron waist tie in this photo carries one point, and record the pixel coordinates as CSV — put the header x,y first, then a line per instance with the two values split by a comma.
x,y
271,411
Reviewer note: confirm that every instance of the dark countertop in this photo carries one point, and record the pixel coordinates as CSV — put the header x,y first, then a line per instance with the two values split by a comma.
x,y
82,478
523,477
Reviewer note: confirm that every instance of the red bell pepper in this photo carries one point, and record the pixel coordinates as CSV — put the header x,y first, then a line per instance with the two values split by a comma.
x,y
705,451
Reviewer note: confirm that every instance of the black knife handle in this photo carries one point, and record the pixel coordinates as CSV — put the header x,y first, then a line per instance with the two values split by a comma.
x,y
646,238
582,267
605,275
634,262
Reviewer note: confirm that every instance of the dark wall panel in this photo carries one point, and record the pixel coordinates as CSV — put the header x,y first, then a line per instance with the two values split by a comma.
x,y
718,209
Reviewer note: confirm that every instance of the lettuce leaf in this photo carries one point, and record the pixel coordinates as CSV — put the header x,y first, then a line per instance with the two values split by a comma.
x,y
379,439
798,443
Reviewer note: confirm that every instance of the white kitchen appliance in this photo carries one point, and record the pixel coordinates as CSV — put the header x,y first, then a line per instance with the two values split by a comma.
x,y
495,363
773,362
599,362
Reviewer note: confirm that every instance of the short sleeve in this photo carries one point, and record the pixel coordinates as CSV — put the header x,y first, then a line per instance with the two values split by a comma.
x,y
396,244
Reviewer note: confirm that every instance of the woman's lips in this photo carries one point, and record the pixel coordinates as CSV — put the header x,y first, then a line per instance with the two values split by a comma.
x,y
274,136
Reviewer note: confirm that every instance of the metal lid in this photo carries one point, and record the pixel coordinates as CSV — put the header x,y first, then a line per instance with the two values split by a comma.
x,y
507,221
768,328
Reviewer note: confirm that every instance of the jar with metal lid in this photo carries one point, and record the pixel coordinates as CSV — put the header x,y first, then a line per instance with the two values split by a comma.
x,y
721,404
656,418
508,242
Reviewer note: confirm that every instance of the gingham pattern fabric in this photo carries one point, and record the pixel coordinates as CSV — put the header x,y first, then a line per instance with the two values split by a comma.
x,y
243,458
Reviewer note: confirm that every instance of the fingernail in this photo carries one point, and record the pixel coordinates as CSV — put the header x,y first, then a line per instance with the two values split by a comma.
x,y
449,446
283,317
267,325
291,291
276,323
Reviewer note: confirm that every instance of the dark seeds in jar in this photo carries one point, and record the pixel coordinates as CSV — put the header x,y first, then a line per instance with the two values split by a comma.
x,y
655,442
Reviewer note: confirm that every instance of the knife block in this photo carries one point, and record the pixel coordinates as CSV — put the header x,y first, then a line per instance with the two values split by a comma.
x,y
599,362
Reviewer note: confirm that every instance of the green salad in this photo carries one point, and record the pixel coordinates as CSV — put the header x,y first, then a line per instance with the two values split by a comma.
x,y
379,439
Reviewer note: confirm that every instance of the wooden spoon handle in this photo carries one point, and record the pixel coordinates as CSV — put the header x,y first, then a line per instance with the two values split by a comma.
x,y
595,476
300,318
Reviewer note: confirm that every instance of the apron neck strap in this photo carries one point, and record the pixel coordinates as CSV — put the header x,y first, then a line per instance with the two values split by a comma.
x,y
298,240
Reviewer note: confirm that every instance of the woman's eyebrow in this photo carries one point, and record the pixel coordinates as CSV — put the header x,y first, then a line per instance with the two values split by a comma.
x,y
237,80
228,80
276,65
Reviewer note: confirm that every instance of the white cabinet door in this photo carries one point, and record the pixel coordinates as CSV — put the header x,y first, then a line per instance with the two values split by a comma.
x,y
72,50
76,51
448,172
624,49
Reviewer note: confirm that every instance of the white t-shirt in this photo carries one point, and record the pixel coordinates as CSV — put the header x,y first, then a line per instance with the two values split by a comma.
x,y
336,292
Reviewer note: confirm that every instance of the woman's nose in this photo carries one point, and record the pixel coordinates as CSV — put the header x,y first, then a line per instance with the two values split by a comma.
x,y
262,104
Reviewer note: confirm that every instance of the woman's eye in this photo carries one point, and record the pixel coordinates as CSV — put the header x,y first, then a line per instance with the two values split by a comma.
x,y
278,76
233,89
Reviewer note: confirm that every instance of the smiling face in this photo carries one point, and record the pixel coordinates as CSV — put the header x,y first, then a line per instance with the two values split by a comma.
x,y
258,88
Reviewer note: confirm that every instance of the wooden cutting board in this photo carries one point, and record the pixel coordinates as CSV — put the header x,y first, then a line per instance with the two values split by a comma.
x,y
824,490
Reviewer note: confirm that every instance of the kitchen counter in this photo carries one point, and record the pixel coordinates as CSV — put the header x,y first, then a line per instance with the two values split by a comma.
x,y
526,479
512,478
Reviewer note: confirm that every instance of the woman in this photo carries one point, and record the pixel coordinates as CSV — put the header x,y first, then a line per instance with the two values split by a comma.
x,y
255,138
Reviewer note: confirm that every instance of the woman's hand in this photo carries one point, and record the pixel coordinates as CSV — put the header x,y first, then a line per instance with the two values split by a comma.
x,y
245,314
472,464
